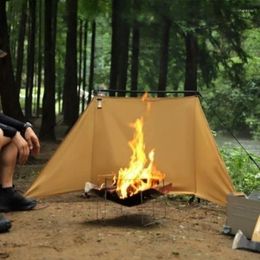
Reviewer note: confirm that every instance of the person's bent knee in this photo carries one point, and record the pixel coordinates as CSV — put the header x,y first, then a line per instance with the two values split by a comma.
x,y
8,154
4,141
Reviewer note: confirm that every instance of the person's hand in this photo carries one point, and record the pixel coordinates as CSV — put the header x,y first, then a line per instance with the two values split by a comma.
x,y
22,146
32,140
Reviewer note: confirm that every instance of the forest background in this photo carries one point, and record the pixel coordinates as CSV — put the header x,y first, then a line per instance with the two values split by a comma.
x,y
60,51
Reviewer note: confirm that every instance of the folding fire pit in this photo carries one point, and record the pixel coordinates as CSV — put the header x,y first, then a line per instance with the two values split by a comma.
x,y
109,193
141,204
135,200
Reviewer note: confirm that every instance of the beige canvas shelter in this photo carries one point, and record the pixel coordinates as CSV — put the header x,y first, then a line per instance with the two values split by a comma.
x,y
176,128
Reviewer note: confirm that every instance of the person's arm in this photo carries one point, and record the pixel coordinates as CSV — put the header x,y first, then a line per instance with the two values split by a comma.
x,y
8,130
10,124
9,121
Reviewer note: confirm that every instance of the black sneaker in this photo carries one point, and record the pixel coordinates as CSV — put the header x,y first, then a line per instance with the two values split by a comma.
x,y
5,224
12,200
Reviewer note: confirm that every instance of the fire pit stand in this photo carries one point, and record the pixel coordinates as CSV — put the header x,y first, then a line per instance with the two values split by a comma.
x,y
147,207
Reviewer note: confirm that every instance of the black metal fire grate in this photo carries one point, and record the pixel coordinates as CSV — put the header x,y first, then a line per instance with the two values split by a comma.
x,y
135,200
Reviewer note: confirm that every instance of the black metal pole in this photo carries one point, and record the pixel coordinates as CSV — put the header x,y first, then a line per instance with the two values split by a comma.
x,y
98,91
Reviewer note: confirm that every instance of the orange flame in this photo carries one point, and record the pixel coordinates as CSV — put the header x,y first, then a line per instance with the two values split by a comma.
x,y
144,98
138,177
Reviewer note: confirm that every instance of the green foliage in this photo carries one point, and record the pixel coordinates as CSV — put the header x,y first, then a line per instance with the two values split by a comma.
x,y
244,173
254,123
226,108
228,38
252,45
90,9
233,104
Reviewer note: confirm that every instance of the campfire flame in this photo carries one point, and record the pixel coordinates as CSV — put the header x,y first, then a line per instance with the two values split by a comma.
x,y
138,177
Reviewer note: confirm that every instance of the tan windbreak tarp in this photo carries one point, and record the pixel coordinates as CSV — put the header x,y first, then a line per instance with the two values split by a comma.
x,y
176,128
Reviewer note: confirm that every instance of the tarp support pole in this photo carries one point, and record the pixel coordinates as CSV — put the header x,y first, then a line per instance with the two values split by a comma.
x,y
100,91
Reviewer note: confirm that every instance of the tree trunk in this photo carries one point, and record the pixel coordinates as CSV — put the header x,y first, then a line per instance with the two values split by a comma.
x,y
39,82
116,7
12,17
191,64
10,102
70,94
48,109
124,33
135,53
92,62
164,56
30,59
59,85
80,59
120,43
20,48
85,45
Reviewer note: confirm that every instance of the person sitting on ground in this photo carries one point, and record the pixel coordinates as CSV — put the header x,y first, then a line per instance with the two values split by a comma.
x,y
17,141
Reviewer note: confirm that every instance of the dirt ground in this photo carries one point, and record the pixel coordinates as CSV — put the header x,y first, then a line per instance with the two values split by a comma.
x,y
73,227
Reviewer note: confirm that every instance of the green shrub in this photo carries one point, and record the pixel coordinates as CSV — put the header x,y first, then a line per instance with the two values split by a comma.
x,y
243,172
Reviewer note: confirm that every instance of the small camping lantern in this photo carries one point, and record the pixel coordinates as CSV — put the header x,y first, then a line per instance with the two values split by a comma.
x,y
99,102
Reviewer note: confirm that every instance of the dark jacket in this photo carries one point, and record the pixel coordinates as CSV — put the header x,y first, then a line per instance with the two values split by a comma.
x,y
10,125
